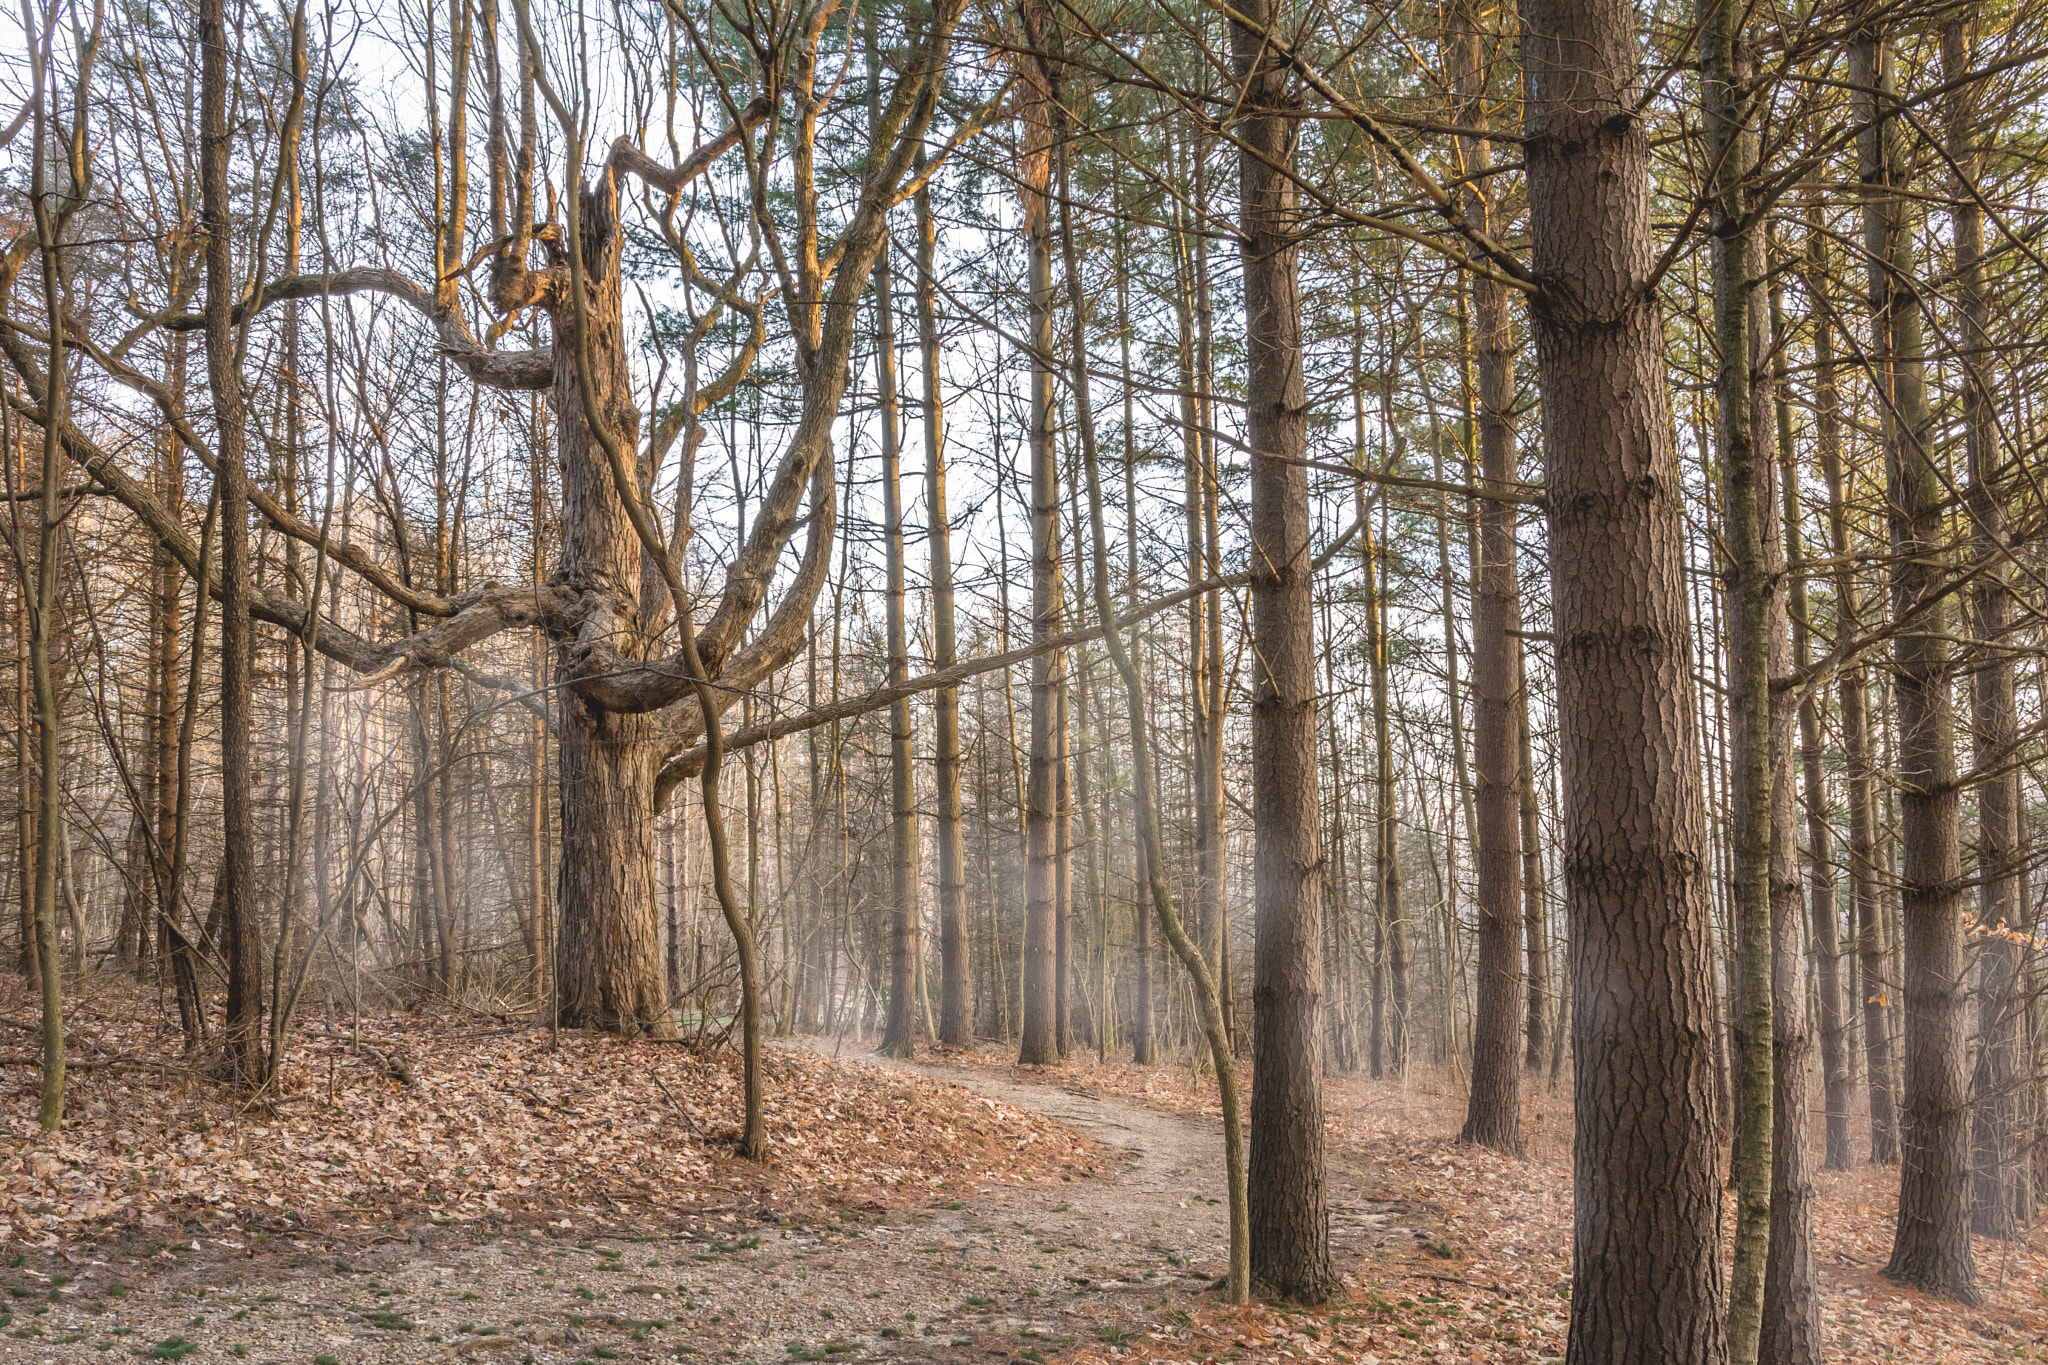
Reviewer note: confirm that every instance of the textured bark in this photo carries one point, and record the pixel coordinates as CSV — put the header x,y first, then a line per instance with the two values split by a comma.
x,y
2002,1188
1646,1278
608,968
1290,1225
1040,1041
241,1039
1932,1246
1754,626
1493,1116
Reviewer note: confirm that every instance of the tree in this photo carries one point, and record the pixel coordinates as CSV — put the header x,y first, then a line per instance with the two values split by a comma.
x,y
1290,1225
241,1040
1494,1114
2001,1192
641,693
1646,1273
1932,1245
906,909
1038,95
956,1003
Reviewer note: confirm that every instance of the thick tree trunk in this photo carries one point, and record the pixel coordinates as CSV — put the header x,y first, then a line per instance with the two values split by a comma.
x,y
610,959
609,968
1646,1278
1290,1225
1493,1116
1932,1246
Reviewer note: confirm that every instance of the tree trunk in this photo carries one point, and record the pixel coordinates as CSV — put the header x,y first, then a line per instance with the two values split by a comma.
x,y
1827,950
1646,1278
609,969
1853,693
899,1033
1932,1247
1493,1116
242,1039
1752,605
39,588
1535,904
956,1004
1151,859
1040,1044
1390,1001
2002,1191
1290,1226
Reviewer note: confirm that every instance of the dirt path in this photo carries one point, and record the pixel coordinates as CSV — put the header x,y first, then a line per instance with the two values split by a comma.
x,y
1004,1273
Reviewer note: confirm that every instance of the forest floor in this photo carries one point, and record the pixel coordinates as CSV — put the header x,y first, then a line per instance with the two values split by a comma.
x,y
471,1192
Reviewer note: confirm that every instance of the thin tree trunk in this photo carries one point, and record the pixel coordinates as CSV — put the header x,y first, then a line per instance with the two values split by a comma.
x,y
1535,902
1853,693
899,1033
1753,607
1153,853
38,590
1825,924
1493,1116
956,1005
241,1041
1390,1009
1041,1031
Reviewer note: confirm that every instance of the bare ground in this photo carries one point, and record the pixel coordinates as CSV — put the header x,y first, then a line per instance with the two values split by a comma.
x,y
1451,1254
997,1272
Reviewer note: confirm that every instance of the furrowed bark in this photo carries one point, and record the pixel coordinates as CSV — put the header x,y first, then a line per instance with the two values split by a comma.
x,y
1290,1229
1646,1279
1493,1115
1931,1248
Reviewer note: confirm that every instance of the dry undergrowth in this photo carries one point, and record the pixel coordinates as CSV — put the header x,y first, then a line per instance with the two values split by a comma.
x,y
1486,1276
494,1126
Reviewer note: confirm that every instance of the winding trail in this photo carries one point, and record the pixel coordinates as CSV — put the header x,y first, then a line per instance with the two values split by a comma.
x,y
1013,1273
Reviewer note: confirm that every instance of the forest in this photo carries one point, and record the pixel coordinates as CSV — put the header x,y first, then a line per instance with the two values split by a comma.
x,y
1054,680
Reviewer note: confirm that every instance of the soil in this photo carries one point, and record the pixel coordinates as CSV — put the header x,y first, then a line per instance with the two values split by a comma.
x,y
1016,1273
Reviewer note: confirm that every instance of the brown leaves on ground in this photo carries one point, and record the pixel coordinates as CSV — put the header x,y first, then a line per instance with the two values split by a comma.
x,y
1452,1253
496,1126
